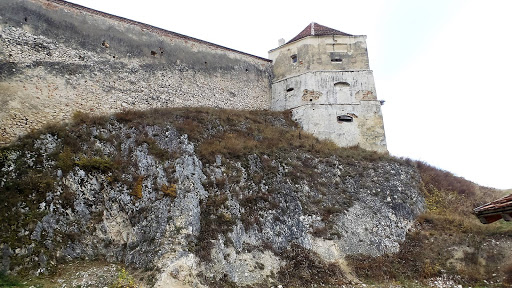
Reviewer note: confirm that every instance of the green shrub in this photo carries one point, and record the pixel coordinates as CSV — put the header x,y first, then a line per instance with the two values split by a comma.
x,y
103,165
8,281
65,160
124,280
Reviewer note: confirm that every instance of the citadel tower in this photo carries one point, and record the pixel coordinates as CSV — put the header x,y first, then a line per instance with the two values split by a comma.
x,y
323,76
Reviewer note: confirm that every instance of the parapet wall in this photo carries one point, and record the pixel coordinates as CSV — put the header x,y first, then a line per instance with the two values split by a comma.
x,y
57,58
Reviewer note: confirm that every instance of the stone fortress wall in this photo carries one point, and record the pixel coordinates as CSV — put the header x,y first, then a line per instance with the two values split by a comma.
x,y
57,58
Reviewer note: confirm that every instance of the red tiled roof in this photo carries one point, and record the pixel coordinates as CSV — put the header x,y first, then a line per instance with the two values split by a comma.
x,y
315,29
494,211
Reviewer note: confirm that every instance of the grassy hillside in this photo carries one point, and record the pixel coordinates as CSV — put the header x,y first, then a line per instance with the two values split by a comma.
x,y
448,243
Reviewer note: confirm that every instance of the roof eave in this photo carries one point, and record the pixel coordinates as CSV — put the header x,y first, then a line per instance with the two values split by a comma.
x,y
490,218
503,210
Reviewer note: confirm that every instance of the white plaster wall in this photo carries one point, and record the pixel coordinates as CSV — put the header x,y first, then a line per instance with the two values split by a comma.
x,y
316,102
361,86
366,130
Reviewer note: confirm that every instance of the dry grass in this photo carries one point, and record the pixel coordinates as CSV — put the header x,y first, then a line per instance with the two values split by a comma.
x,y
235,134
451,200
447,223
169,190
137,188
455,194
102,165
304,268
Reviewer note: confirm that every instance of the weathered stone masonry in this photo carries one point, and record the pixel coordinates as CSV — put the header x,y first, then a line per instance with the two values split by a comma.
x,y
57,58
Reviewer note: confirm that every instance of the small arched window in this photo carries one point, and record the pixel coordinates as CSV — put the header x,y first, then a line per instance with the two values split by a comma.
x,y
289,90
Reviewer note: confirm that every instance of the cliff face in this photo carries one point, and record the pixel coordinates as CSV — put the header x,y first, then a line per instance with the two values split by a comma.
x,y
200,197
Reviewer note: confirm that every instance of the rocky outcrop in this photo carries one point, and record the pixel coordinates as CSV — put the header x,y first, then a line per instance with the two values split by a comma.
x,y
149,195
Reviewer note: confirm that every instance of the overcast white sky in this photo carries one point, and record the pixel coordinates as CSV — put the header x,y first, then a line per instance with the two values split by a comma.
x,y
443,66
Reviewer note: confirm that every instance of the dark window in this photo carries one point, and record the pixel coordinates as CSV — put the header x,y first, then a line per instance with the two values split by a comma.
x,y
289,90
336,57
345,118
294,58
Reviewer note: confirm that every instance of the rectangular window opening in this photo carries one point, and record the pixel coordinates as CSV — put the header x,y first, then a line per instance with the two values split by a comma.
x,y
336,57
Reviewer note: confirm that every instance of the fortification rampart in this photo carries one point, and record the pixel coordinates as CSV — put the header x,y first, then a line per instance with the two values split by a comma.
x,y
57,58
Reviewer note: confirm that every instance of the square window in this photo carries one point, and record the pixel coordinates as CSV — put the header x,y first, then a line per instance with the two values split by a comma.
x,y
336,57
